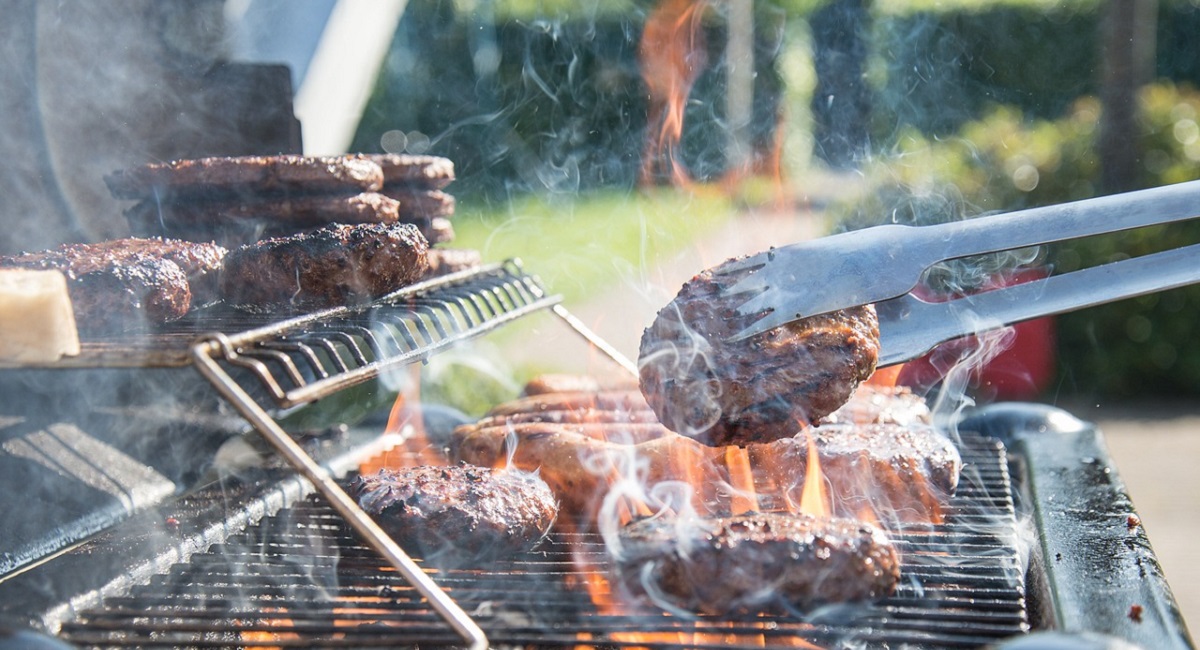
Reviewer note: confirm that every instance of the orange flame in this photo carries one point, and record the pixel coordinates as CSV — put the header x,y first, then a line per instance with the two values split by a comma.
x,y
671,53
741,479
258,637
814,500
405,414
886,377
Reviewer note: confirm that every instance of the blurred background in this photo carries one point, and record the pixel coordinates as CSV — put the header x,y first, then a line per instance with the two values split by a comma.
x,y
619,146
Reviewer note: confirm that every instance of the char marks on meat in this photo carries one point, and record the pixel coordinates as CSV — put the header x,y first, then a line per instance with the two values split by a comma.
x,y
132,283
724,392
577,441
326,267
245,200
755,562
246,177
458,514
292,213
899,472
406,170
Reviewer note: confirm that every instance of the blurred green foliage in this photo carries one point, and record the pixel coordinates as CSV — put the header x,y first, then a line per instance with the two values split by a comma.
x,y
552,102
583,244
1005,161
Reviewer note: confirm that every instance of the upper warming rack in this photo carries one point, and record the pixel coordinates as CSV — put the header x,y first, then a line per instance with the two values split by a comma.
x,y
262,365
303,359
295,360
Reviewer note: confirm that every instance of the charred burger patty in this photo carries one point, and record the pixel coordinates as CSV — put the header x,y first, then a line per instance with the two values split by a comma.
x,y
756,561
759,389
327,267
460,512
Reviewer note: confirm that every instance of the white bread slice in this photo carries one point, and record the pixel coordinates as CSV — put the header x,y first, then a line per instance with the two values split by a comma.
x,y
37,323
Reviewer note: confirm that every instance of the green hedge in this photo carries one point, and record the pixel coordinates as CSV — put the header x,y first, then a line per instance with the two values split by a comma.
x,y
942,69
560,106
1005,161
939,69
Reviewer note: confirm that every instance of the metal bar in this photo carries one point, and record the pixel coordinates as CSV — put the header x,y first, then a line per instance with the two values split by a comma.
x,y
591,337
324,387
294,454
909,327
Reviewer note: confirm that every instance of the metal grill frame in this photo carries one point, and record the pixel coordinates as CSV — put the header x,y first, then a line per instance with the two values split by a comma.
x,y
264,580
1063,482
326,352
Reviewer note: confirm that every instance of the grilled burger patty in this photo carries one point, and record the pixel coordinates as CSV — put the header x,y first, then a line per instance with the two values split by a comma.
x,y
755,562
723,392
460,512
296,212
326,267
401,170
132,282
577,440
246,177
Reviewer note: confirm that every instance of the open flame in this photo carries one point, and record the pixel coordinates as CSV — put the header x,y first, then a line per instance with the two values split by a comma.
x,y
406,424
813,498
672,56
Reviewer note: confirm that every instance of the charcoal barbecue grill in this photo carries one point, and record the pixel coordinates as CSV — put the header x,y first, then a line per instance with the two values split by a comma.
x,y
1041,535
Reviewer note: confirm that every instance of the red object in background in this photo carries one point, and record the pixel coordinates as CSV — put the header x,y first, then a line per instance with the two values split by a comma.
x,y
1021,371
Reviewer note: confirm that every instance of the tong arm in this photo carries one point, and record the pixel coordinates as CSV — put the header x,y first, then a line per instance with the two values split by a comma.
x,y
1053,223
910,327
876,264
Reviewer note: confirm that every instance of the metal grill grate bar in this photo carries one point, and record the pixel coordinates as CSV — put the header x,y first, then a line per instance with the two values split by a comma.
x,y
308,358
302,579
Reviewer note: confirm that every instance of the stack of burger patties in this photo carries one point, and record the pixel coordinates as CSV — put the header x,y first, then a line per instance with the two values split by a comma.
x,y
303,231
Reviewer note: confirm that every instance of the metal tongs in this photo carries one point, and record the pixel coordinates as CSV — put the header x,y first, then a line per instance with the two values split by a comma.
x,y
882,265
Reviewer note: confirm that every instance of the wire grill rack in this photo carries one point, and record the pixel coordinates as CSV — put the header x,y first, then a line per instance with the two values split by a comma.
x,y
301,578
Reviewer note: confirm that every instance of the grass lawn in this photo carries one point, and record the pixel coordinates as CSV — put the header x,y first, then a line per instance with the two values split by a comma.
x,y
582,244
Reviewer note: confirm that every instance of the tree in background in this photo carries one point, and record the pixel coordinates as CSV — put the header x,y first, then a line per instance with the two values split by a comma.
x,y
1127,54
841,104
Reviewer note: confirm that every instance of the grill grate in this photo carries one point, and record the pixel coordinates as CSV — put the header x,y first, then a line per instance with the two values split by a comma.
x,y
302,579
